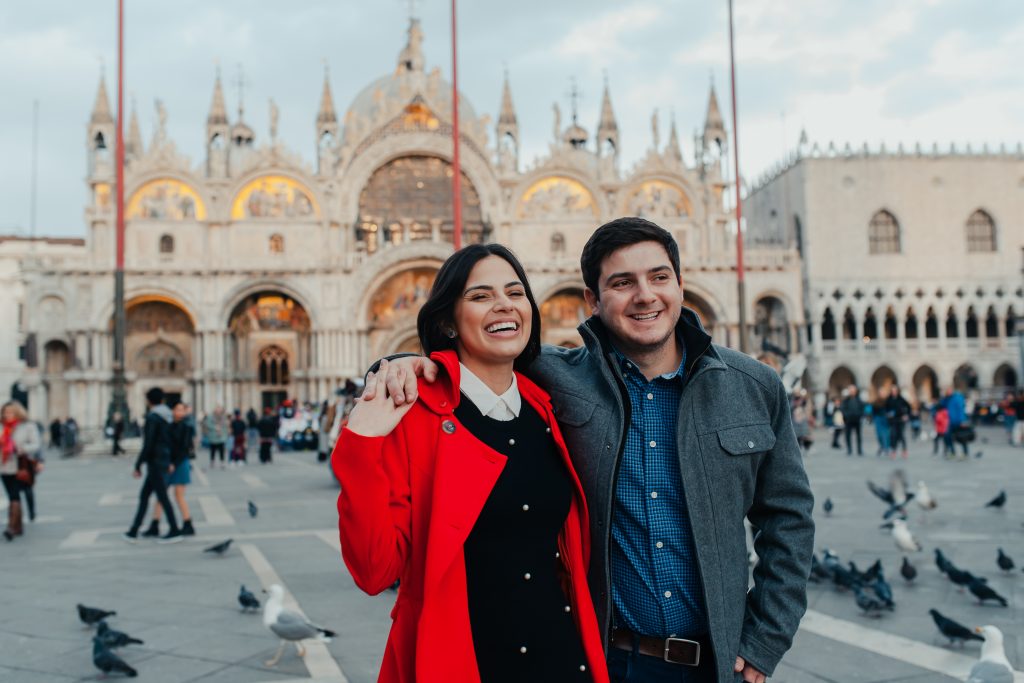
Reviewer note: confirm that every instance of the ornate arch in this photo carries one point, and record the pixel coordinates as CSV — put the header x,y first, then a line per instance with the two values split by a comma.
x,y
239,293
166,196
649,196
145,294
556,195
384,264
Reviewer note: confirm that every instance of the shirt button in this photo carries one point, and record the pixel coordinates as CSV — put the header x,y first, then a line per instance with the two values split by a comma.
x,y
668,594
650,397
512,442
568,609
583,667
654,444
654,494
558,554
526,508
659,544
522,650
526,576
548,430
750,444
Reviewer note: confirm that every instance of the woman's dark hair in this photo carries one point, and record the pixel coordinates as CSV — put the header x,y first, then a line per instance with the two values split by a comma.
x,y
619,233
438,313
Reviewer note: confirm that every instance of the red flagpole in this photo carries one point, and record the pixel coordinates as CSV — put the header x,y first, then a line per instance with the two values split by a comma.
x,y
456,167
119,149
741,285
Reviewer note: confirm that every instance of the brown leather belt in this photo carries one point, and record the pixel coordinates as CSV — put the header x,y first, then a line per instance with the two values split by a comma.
x,y
672,650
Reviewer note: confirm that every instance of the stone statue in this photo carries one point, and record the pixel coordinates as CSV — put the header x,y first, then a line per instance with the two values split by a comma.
x,y
161,117
654,129
558,122
273,120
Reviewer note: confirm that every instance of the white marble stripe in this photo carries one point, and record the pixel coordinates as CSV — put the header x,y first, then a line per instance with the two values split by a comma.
x,y
215,512
318,659
891,645
201,476
253,481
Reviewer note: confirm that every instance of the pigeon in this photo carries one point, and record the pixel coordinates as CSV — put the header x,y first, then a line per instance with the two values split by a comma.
x,y
992,666
952,630
884,592
874,572
219,548
844,578
998,502
880,493
829,560
1004,561
924,497
828,507
90,616
107,662
981,590
941,561
253,510
112,638
961,577
247,600
907,570
869,605
288,625
818,571
904,540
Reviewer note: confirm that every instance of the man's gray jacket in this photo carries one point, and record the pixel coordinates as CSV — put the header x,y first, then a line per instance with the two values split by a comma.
x,y
738,457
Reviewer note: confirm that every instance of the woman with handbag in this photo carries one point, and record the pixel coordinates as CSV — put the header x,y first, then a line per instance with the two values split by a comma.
x,y
19,445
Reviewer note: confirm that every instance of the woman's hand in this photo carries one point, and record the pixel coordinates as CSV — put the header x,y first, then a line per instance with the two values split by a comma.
x,y
374,413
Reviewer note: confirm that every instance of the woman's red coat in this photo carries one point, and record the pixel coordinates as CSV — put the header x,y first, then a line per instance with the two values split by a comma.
x,y
408,502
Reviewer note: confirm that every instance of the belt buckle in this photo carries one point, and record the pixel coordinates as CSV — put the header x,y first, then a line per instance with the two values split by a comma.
x,y
691,652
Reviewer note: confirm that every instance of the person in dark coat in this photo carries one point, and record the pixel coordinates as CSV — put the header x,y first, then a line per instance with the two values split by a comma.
x,y
56,433
238,446
853,412
267,428
156,454
116,432
183,436
897,410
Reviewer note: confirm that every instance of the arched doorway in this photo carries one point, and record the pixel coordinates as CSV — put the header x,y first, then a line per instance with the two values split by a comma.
x,y
561,314
56,361
771,325
1005,377
394,306
965,378
158,349
269,349
409,199
926,385
883,379
699,305
841,378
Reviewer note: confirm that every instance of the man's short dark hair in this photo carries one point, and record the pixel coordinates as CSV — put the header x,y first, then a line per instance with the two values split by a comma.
x,y
155,396
619,233
438,312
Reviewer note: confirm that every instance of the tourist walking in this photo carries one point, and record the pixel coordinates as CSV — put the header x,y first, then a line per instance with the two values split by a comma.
x,y
880,419
838,424
156,454
238,433
956,406
182,452
897,410
20,444
215,428
941,421
853,412
1018,427
116,432
267,428
56,432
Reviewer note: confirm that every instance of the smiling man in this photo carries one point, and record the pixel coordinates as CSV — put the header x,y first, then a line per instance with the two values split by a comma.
x,y
676,440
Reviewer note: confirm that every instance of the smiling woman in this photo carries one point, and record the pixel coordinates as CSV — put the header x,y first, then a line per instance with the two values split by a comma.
x,y
479,463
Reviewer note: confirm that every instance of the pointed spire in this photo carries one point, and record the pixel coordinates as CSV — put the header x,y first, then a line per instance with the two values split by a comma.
x,y
714,126
101,108
674,150
133,146
218,110
507,116
327,114
607,127
411,56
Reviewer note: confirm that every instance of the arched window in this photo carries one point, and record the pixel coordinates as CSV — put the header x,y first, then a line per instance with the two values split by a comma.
x,y
276,244
828,326
910,325
557,245
890,323
981,232
870,324
952,324
884,234
1011,323
273,366
166,244
931,325
991,323
161,359
971,324
849,325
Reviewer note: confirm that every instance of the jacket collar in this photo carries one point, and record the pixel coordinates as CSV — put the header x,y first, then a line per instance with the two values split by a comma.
x,y
442,395
689,330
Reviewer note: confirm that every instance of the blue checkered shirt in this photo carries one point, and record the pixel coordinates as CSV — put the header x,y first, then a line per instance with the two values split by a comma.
x,y
656,585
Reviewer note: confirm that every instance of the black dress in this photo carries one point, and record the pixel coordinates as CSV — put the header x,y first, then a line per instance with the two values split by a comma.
x,y
521,620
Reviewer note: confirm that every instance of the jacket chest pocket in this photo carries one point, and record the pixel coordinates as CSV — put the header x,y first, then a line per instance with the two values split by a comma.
x,y
747,439
571,410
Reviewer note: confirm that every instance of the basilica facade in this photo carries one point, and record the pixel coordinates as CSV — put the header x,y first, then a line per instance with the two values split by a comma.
x,y
257,275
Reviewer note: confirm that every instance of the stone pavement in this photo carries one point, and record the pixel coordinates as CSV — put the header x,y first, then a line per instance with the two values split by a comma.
x,y
183,602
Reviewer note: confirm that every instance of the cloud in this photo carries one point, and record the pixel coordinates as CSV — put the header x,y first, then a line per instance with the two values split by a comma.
x,y
611,35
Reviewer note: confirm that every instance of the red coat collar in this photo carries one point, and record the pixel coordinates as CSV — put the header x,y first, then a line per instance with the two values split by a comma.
x,y
442,395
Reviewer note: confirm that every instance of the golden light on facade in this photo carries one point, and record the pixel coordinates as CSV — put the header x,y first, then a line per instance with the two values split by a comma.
x,y
165,199
274,196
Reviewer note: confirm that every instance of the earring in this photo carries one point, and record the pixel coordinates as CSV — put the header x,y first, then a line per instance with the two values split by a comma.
x,y
451,333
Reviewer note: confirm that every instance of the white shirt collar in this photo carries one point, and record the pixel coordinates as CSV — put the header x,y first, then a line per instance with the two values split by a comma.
x,y
504,407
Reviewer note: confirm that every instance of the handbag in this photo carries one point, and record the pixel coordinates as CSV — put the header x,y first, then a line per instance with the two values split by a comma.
x,y
963,434
27,469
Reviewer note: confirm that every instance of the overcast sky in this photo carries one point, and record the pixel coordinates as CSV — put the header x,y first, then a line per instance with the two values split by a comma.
x,y
846,70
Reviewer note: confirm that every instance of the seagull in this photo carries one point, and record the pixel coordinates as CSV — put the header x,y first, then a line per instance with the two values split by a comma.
x,y
904,540
1004,561
219,548
288,625
981,590
907,570
247,600
924,497
90,616
828,507
112,638
953,630
106,661
253,510
992,666
998,502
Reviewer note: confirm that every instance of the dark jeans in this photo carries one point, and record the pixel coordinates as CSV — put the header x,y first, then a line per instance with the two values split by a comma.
x,y
153,483
266,450
950,448
11,485
215,450
633,667
30,500
897,434
853,426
